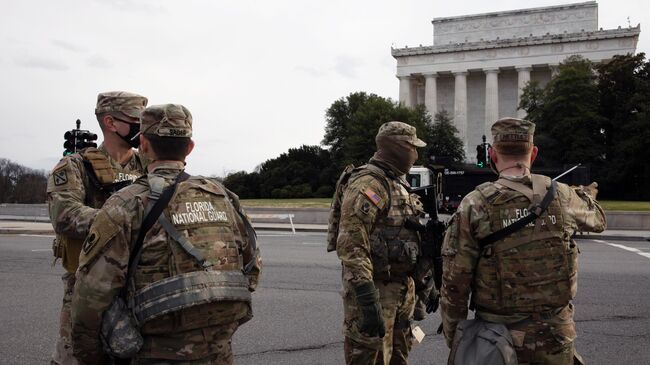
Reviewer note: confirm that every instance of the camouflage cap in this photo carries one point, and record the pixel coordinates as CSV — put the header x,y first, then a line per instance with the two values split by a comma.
x,y
513,130
401,131
168,120
121,101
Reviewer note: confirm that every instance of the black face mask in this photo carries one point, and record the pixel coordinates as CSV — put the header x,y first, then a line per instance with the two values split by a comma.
x,y
134,128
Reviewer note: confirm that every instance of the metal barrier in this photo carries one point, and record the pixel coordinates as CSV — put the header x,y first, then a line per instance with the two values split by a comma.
x,y
275,216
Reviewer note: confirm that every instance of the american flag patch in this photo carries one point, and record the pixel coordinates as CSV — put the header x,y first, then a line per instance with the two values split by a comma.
x,y
374,197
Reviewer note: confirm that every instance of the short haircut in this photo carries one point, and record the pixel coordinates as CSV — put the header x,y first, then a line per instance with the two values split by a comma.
x,y
169,148
513,148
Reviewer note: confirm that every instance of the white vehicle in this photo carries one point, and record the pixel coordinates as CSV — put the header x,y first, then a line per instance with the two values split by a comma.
x,y
420,176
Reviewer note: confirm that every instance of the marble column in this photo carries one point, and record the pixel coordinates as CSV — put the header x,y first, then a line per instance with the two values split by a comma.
x,y
523,79
404,89
431,93
491,99
460,107
413,93
421,91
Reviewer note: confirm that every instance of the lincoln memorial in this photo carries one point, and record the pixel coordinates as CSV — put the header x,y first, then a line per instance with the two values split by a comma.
x,y
478,64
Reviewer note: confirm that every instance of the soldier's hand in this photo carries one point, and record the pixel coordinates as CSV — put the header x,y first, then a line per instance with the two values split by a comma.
x,y
372,321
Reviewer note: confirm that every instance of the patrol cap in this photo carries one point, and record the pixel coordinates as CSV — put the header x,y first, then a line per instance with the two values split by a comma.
x,y
121,101
400,131
168,120
513,130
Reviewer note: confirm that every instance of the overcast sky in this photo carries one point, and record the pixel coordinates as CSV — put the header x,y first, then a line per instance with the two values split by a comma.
x,y
257,75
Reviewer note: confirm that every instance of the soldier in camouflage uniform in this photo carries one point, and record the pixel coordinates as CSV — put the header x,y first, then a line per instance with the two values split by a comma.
x,y
377,252
207,219
527,279
80,184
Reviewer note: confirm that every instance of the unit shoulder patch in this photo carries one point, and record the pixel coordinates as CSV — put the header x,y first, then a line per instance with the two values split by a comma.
x,y
60,177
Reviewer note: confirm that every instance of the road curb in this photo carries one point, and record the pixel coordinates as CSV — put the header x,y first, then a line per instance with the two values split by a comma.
x,y
613,238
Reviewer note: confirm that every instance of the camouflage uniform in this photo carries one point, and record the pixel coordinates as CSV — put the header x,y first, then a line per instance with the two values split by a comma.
x,y
77,187
528,279
206,214
374,247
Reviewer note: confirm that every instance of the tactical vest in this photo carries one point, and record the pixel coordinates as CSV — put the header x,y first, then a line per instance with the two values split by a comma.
x,y
394,249
103,181
532,270
173,292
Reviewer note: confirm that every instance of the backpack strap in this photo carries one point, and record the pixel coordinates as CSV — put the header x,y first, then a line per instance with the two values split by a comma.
x,y
154,209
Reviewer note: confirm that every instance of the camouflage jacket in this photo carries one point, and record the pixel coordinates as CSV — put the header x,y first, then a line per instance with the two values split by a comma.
x,y
73,199
365,205
471,222
103,266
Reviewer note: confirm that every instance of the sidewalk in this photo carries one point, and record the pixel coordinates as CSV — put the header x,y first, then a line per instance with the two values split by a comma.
x,y
25,227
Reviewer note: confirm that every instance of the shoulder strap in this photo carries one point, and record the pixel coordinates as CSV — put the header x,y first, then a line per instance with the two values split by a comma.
x,y
517,186
521,223
154,210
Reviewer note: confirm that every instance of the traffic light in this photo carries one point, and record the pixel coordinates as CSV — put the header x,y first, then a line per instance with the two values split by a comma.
x,y
480,155
78,139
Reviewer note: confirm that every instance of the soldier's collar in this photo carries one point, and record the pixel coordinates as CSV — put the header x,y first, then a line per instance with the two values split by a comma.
x,y
166,165
520,178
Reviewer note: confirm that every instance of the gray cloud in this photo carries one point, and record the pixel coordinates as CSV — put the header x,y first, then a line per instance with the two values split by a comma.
x,y
310,71
347,66
42,63
98,61
67,46
135,5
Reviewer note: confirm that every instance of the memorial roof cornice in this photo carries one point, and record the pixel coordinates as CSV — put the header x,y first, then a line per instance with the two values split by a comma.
x,y
516,42
543,9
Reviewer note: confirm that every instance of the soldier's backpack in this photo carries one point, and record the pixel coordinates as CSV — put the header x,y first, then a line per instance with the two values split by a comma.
x,y
478,342
337,200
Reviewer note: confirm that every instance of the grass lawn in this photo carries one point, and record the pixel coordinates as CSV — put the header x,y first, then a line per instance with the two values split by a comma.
x,y
287,203
611,205
614,205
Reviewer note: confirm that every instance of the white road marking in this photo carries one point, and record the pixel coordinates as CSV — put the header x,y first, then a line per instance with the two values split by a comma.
x,y
631,249
37,235
42,249
313,243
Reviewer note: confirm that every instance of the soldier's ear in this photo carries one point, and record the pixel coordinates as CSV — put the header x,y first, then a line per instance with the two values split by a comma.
x,y
190,147
533,154
109,123
492,154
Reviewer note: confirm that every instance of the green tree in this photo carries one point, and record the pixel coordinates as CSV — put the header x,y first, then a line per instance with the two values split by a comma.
x,y
624,85
442,138
567,114
352,123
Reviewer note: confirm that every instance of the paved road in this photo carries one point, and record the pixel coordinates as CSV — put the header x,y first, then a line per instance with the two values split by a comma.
x,y
297,308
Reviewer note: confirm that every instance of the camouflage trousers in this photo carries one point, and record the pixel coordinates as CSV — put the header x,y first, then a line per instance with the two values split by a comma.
x,y
540,341
397,300
216,341
63,351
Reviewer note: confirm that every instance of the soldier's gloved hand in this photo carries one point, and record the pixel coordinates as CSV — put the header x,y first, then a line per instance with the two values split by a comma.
x,y
372,322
